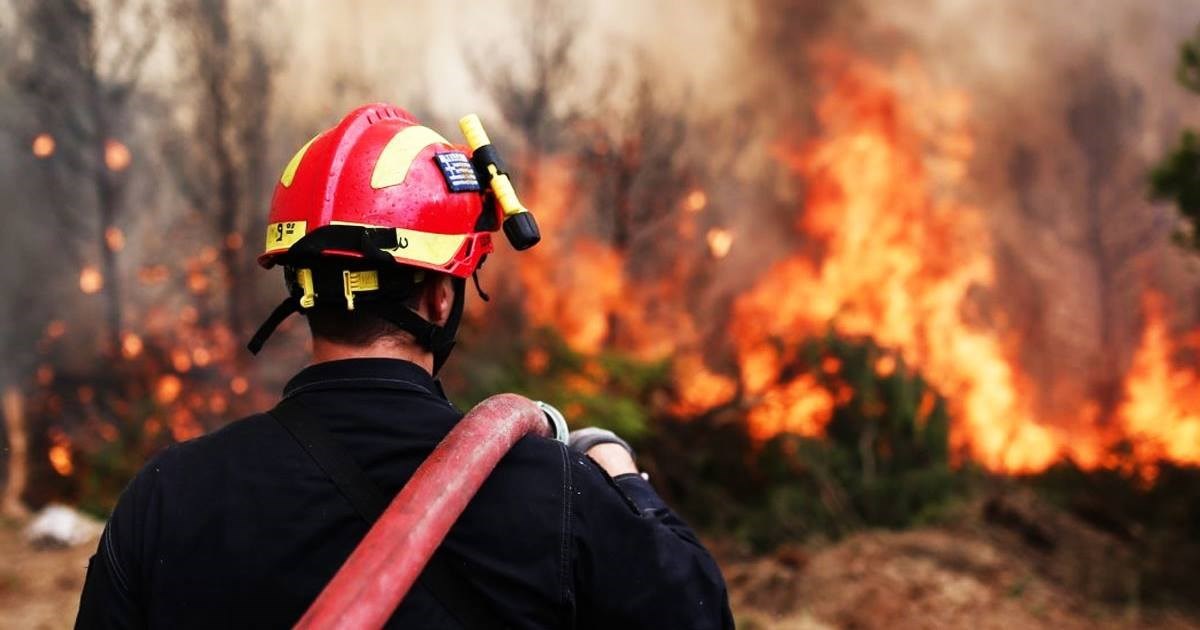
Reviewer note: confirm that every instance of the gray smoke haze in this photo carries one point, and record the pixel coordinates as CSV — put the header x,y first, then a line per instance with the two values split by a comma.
x,y
1070,104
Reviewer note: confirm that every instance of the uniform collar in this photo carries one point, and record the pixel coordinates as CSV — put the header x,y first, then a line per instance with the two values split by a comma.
x,y
359,373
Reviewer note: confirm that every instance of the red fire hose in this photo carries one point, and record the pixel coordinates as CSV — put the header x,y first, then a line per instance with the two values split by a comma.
x,y
377,575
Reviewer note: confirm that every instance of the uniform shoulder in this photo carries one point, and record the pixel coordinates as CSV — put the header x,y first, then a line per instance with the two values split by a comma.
x,y
242,437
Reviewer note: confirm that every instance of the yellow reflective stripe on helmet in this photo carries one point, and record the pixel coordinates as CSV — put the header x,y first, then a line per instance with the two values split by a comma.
x,y
289,171
282,235
396,158
426,247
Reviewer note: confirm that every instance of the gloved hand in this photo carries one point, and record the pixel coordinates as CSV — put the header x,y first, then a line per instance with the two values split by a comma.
x,y
584,439
606,448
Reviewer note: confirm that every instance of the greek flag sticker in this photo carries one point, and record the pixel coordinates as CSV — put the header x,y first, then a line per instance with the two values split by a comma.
x,y
458,171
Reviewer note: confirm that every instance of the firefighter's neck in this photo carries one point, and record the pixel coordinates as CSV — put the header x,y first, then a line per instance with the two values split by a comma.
x,y
435,303
387,348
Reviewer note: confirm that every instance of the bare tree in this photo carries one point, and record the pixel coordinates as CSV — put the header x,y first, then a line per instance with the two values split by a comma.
x,y
1103,119
626,136
219,156
634,162
531,92
78,75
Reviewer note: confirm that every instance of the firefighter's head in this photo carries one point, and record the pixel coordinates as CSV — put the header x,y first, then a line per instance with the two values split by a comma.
x,y
378,222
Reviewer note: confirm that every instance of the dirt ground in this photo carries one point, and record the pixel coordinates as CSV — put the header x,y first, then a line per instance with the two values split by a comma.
x,y
927,578
39,588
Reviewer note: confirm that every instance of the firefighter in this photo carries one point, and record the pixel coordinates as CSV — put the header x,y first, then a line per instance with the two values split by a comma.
x,y
378,223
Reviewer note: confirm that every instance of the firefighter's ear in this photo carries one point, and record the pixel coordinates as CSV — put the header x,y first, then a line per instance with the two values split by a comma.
x,y
438,299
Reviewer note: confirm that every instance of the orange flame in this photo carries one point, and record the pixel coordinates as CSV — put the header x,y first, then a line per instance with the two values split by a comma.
x,y
1161,410
800,406
699,389
869,210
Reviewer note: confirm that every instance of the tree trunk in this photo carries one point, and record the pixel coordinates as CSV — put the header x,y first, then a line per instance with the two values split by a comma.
x,y
11,504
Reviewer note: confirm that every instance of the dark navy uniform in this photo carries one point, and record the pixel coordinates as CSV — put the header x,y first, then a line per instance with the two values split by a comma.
x,y
241,528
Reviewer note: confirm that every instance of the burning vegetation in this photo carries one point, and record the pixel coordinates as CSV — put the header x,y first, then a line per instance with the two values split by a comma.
x,y
805,329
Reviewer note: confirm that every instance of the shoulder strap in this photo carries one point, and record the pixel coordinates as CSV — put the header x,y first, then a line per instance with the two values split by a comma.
x,y
369,501
333,460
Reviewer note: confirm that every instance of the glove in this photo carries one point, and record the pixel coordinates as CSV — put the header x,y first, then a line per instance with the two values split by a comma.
x,y
584,439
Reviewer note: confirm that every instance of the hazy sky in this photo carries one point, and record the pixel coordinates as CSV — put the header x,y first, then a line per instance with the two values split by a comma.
x,y
419,46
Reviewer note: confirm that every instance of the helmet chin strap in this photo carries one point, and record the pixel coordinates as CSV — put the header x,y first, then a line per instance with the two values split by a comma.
x,y
437,340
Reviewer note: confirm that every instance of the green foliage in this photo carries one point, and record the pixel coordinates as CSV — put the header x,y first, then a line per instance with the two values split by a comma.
x,y
110,465
1161,520
1177,177
609,390
884,462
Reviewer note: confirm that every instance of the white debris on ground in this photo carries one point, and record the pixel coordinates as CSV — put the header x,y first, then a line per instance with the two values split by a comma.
x,y
57,526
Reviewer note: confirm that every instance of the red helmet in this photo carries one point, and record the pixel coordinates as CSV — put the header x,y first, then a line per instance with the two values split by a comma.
x,y
379,168
364,208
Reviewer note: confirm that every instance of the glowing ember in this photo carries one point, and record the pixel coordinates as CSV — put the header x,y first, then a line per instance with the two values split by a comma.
x,y
239,385
153,274
197,282
60,452
107,432
44,375
131,345
180,360
831,365
55,329
695,201
184,426
168,388
90,280
885,366
114,238
537,360
116,156
719,242
43,145
218,404
60,459
233,241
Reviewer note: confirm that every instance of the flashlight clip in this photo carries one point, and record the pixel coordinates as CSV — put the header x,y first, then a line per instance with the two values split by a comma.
x,y
519,224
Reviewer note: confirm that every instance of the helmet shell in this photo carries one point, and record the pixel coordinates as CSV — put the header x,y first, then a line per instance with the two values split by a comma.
x,y
380,168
